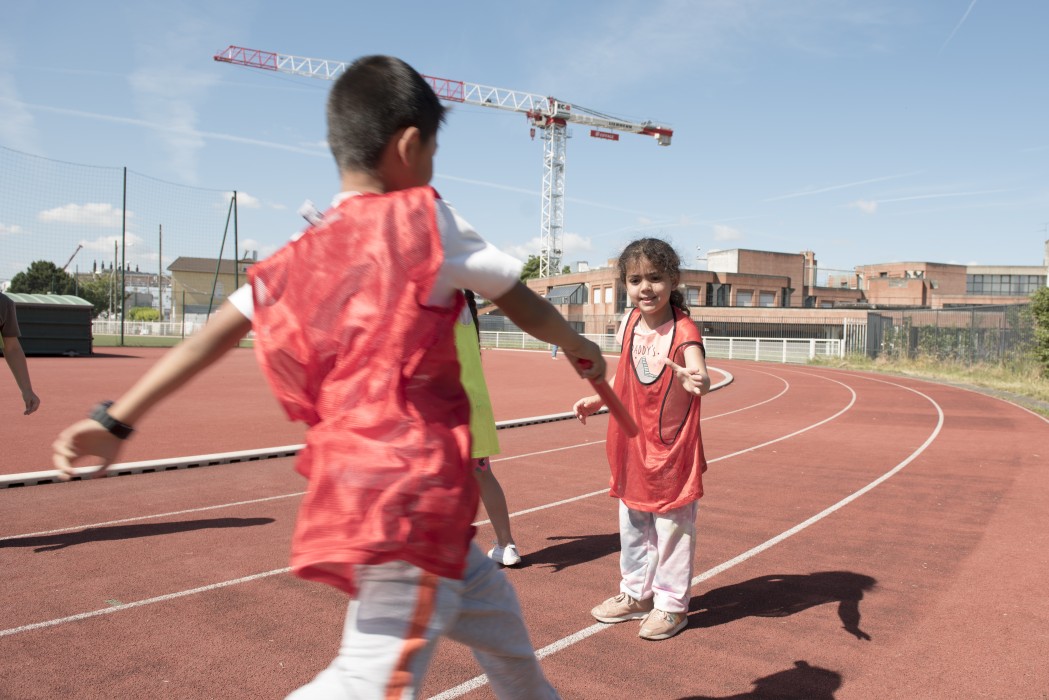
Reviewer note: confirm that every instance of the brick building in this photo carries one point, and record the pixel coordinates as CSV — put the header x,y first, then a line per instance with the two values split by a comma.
x,y
593,300
192,280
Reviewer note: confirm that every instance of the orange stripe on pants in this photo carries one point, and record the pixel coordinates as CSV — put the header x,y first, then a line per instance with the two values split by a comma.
x,y
414,639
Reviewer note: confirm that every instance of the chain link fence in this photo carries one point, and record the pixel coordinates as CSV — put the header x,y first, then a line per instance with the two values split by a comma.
x,y
107,234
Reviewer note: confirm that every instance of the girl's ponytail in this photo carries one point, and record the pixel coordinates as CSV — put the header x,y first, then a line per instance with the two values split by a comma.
x,y
677,300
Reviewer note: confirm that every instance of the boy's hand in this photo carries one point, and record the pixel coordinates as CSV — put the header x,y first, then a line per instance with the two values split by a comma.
x,y
695,381
587,406
83,438
587,359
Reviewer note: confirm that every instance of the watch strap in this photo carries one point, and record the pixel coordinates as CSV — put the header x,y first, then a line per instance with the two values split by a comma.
x,y
100,414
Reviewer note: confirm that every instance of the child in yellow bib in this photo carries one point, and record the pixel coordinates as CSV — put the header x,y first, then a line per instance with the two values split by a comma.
x,y
484,441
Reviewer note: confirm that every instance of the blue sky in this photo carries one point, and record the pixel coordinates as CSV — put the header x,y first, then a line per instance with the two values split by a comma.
x,y
866,130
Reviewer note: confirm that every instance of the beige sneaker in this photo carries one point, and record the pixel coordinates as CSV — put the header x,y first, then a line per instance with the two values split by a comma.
x,y
660,624
621,608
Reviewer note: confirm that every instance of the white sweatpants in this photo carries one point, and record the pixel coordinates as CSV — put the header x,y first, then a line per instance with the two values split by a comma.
x,y
400,612
656,554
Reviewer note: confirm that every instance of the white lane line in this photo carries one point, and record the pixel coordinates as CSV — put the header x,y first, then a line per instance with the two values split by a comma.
x,y
565,642
786,388
140,603
203,589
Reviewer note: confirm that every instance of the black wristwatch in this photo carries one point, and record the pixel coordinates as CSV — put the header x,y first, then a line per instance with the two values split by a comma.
x,y
100,413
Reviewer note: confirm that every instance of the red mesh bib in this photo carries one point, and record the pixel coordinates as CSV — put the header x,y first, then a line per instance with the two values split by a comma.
x,y
348,345
662,468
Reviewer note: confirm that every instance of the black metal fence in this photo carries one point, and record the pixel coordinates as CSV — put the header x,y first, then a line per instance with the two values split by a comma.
x,y
991,334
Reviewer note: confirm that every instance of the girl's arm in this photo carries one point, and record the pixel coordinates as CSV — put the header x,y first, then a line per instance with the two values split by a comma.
x,y
589,405
693,376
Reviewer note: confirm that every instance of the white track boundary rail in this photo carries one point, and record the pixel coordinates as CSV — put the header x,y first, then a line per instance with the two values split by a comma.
x,y
52,476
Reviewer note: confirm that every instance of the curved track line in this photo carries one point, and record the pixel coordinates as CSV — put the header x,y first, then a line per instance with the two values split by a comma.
x,y
223,584
565,642
786,388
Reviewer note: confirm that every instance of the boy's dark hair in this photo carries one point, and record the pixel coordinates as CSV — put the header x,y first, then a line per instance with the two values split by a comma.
x,y
371,100
662,256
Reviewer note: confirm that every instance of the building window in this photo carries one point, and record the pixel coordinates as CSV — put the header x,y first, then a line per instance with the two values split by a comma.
x,y
767,299
744,297
692,296
608,295
595,294
1003,285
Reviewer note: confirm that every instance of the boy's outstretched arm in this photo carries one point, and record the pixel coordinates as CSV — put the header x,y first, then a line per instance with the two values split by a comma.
x,y
180,364
537,317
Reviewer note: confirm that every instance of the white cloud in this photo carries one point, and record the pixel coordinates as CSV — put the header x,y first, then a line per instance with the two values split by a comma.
x,y
91,214
573,247
831,188
264,250
246,201
959,25
17,125
104,244
168,85
521,252
867,206
11,229
727,233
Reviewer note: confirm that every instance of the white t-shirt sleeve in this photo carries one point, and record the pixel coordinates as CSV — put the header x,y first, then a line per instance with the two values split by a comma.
x,y
243,301
470,262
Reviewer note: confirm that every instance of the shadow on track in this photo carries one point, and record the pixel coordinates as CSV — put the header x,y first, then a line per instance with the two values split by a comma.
x,y
803,682
50,543
779,595
573,550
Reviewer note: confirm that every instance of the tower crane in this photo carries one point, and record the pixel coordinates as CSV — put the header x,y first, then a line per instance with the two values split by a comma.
x,y
547,114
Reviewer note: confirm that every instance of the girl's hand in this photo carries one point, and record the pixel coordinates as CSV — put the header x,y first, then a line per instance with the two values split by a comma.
x,y
695,381
587,406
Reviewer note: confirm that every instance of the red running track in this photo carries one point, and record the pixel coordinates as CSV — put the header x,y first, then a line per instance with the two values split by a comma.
x,y
861,537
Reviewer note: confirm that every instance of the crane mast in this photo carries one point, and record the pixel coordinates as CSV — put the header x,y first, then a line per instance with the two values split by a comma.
x,y
549,115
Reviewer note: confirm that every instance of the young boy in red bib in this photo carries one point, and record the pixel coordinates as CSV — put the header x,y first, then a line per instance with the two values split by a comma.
x,y
353,329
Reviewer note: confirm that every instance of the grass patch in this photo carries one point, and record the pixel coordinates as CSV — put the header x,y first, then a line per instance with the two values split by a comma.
x,y
146,341
1023,383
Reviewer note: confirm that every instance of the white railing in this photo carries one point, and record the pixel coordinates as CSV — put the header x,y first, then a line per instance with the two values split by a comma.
x,y
788,350
791,350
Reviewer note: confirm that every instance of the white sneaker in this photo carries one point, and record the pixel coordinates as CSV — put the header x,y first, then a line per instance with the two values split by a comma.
x,y
507,556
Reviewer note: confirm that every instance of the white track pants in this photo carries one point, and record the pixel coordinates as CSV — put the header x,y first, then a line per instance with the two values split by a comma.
x,y
657,550
400,612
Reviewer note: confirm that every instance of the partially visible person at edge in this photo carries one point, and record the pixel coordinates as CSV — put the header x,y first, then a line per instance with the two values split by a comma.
x,y
354,332
14,355
484,441
657,475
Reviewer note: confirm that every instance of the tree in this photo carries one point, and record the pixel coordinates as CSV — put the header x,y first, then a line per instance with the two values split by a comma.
x,y
43,277
99,291
1040,310
143,313
531,268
